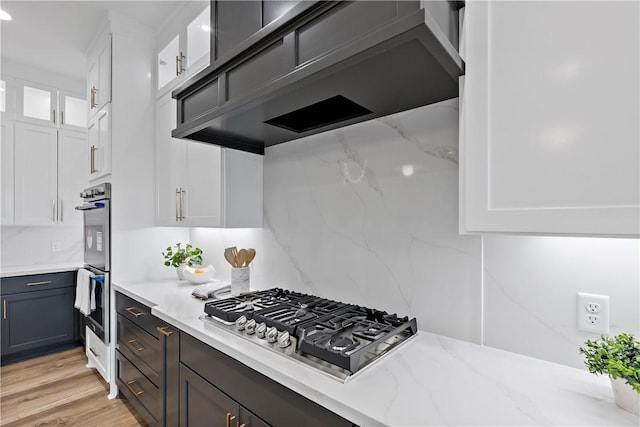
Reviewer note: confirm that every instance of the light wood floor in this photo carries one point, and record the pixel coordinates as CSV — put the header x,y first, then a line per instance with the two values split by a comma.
x,y
58,390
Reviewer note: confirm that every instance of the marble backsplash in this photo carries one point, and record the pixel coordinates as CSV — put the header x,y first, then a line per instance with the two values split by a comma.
x,y
24,246
367,214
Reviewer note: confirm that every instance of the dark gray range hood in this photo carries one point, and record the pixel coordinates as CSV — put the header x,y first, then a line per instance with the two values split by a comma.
x,y
322,66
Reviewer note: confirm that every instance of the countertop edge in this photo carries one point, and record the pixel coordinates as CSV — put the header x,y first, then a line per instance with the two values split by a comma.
x,y
29,270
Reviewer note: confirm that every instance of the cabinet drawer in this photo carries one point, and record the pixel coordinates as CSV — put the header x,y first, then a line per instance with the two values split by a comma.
x,y
141,348
37,282
97,354
141,392
140,314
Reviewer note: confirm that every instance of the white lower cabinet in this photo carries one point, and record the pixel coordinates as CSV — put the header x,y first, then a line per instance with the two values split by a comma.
x,y
549,131
47,179
203,185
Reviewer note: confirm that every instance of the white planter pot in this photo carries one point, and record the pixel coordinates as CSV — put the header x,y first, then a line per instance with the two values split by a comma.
x,y
180,271
625,397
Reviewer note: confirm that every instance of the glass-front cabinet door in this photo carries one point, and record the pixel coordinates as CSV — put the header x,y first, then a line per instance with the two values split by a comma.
x,y
168,62
41,104
73,111
199,39
184,46
37,103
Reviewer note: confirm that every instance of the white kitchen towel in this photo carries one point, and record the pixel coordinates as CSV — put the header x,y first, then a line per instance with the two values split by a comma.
x,y
83,291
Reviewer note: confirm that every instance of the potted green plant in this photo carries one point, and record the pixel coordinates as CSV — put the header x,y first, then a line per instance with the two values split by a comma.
x,y
618,357
179,257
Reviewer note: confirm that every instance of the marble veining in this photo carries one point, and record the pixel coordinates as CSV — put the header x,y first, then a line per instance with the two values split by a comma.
x,y
367,214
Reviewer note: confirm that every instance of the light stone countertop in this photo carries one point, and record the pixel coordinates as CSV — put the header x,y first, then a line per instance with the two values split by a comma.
x,y
25,270
429,380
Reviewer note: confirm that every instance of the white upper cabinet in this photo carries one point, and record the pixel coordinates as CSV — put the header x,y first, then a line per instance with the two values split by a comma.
x,y
99,142
183,48
549,132
169,62
73,111
36,174
203,185
3,96
48,178
45,105
99,74
72,177
6,173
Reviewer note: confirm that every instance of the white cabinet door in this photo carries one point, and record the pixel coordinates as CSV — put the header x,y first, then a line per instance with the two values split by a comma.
x,y
72,178
184,46
72,111
99,141
168,66
170,162
99,75
6,162
35,174
199,40
203,191
549,118
37,103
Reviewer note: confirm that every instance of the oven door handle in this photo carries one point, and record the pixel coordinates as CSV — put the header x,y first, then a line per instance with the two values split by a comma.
x,y
91,206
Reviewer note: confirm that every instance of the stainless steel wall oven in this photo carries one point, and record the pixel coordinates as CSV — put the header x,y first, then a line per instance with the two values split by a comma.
x,y
97,253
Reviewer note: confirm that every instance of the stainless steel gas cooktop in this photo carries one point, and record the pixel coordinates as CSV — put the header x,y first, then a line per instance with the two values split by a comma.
x,y
336,338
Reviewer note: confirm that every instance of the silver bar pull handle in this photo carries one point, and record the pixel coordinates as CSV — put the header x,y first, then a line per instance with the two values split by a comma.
x,y
177,204
53,210
53,116
61,210
45,282
182,192
61,117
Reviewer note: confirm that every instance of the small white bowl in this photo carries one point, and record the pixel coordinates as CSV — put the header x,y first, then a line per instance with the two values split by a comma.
x,y
199,275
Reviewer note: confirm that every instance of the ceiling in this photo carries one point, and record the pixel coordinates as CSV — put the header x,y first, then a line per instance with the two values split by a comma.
x,y
54,35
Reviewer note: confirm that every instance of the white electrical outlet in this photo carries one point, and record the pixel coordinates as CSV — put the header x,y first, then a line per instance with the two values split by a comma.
x,y
55,246
592,313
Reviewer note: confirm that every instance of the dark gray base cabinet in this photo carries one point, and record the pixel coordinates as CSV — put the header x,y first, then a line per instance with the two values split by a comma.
x,y
147,362
202,404
217,390
37,314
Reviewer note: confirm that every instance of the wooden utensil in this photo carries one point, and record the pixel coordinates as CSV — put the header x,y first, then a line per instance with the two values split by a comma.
x,y
228,255
251,254
234,251
241,257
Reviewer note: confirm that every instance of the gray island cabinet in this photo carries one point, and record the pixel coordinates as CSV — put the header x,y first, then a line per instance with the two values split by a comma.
x,y
38,316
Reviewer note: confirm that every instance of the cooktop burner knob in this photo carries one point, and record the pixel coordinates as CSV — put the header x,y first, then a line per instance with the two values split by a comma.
x,y
272,334
284,340
261,330
250,326
240,323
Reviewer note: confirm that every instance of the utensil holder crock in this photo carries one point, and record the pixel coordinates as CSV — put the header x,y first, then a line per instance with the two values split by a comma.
x,y
239,280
